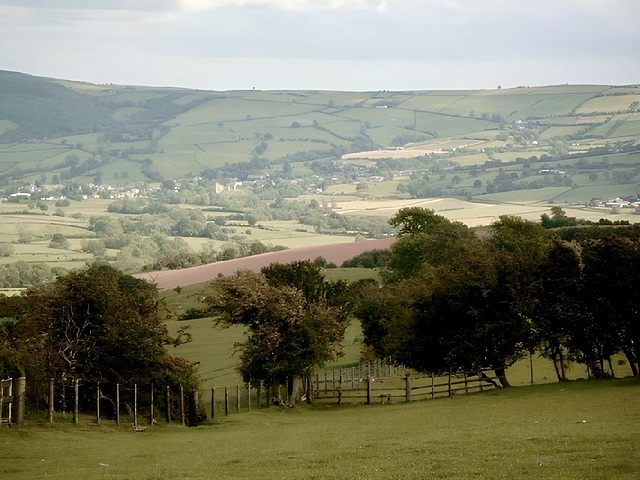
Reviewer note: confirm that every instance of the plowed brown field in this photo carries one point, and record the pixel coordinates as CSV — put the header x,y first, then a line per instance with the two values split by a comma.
x,y
168,279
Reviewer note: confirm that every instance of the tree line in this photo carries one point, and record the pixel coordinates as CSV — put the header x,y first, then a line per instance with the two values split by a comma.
x,y
95,325
458,299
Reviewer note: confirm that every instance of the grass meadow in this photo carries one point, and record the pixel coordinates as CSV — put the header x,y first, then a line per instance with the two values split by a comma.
x,y
578,430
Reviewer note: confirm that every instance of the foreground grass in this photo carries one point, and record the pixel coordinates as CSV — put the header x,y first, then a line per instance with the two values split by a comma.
x,y
576,430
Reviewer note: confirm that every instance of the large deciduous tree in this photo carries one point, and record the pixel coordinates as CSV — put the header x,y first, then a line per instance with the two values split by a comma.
x,y
454,300
611,273
560,308
295,320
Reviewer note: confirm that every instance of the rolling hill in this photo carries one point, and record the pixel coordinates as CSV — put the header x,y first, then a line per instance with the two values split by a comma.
x,y
133,133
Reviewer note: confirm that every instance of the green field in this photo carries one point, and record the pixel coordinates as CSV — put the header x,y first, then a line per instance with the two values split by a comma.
x,y
186,132
580,430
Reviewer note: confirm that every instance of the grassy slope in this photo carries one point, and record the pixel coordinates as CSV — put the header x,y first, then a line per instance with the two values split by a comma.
x,y
213,348
582,430
207,129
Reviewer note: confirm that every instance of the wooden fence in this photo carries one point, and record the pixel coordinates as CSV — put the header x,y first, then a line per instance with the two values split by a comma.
x,y
142,407
12,393
343,387
122,403
6,399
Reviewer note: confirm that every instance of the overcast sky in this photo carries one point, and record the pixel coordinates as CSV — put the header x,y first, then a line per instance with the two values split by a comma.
x,y
324,44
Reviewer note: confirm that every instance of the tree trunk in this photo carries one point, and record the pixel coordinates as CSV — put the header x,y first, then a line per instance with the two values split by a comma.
x,y
632,361
563,367
555,365
502,377
309,389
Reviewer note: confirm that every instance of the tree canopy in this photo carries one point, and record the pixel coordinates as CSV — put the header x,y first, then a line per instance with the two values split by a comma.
x,y
456,301
295,319
96,324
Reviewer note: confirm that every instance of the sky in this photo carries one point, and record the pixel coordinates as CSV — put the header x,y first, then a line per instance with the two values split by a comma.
x,y
358,45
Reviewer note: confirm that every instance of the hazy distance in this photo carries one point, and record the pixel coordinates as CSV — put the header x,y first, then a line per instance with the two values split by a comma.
x,y
333,44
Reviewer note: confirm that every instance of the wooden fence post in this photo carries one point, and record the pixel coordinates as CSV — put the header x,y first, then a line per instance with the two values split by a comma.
x,y
333,384
19,396
352,376
76,401
433,386
226,401
98,404
480,380
340,389
531,366
135,405
369,390
249,397
407,387
450,392
466,384
64,396
168,405
183,417
118,404
213,402
194,406
152,413
258,392
51,393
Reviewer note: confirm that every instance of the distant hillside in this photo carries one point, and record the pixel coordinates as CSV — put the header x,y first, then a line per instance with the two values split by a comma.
x,y
123,134
42,108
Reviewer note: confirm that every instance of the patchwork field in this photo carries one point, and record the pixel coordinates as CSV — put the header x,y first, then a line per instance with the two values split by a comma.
x,y
187,132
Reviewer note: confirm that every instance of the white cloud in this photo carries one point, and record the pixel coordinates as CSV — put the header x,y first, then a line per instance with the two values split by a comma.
x,y
299,5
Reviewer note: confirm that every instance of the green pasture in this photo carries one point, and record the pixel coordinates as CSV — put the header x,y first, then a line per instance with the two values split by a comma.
x,y
7,125
341,188
89,141
563,131
576,120
608,103
344,128
177,164
191,134
137,97
449,126
431,103
384,135
121,171
227,127
382,189
188,98
587,193
578,430
126,113
340,99
230,109
539,195
630,127
472,159
511,156
279,149
611,127
516,104
38,228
